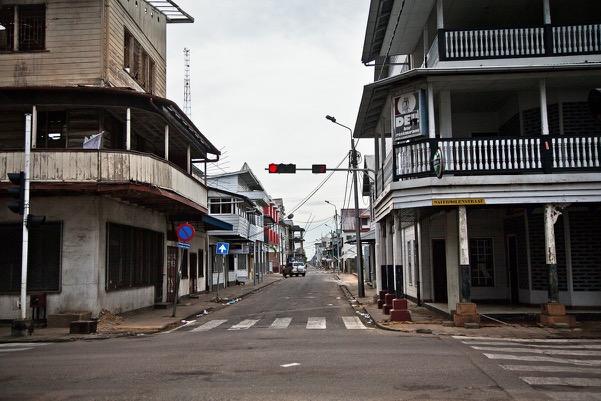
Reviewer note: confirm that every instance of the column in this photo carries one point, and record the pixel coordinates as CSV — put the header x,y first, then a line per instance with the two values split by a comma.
x,y
445,118
378,257
465,284
397,249
439,15
546,12
34,127
425,40
166,142
452,258
188,160
431,116
542,86
128,129
551,215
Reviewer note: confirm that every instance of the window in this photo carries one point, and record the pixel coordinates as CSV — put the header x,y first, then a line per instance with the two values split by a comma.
x,y
30,28
44,262
134,255
481,262
138,63
222,206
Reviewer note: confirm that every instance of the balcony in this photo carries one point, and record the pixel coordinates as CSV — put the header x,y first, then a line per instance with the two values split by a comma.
x,y
541,41
498,156
138,177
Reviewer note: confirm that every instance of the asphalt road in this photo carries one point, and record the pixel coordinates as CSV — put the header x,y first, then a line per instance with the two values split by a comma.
x,y
295,340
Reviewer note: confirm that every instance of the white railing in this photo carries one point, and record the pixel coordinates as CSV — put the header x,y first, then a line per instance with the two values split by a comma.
x,y
105,166
498,156
494,43
574,39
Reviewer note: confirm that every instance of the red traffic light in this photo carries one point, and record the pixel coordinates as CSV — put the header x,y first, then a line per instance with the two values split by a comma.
x,y
318,168
281,168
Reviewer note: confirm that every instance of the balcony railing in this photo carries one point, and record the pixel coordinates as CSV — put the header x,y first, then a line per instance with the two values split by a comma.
x,y
550,40
104,167
498,156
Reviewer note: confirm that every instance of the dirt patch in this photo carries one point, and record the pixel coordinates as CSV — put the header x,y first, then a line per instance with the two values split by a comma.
x,y
108,321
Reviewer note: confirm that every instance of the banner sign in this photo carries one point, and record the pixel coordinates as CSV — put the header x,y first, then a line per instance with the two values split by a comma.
x,y
409,115
458,202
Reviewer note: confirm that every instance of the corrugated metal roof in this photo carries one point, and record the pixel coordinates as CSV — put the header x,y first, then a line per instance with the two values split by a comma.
x,y
172,11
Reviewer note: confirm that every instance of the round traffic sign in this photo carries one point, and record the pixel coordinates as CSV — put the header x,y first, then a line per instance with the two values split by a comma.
x,y
185,232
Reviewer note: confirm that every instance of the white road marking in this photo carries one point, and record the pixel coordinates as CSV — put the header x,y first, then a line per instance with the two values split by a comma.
x,y
289,365
529,340
211,324
316,323
353,323
243,325
281,323
188,323
581,346
562,381
534,358
553,369
14,349
540,351
22,345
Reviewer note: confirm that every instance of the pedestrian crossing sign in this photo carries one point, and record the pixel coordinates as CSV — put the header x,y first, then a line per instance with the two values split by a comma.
x,y
222,248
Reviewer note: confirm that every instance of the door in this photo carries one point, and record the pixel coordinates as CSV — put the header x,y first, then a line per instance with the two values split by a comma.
x,y
512,268
193,273
439,269
171,272
158,282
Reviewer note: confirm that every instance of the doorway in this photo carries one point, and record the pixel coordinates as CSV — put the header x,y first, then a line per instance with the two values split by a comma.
x,y
171,272
512,268
439,270
193,273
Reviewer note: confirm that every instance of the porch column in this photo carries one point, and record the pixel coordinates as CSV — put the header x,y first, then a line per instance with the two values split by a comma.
x,y
128,129
425,39
166,142
445,118
439,15
378,257
397,247
431,117
546,12
544,119
34,126
551,216
464,258
188,160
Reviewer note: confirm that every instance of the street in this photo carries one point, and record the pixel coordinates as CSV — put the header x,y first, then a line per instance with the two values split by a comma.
x,y
287,342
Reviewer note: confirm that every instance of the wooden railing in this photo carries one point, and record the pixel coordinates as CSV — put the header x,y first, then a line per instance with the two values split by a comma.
x,y
522,155
105,166
547,40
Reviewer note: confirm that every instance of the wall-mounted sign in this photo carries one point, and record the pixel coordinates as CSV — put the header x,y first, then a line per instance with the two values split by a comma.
x,y
458,202
408,111
438,163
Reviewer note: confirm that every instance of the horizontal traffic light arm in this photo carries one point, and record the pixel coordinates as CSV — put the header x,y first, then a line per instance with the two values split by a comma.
x,y
331,169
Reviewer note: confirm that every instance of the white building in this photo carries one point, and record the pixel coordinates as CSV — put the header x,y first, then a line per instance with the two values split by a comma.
x,y
482,135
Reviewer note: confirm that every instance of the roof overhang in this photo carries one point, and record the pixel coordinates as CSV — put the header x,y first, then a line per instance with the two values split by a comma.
x,y
383,30
91,96
172,12
213,223
375,95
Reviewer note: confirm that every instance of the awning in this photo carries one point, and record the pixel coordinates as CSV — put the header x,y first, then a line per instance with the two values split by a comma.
x,y
216,224
172,11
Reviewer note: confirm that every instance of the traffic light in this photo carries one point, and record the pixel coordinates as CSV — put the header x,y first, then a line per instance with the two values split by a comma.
x,y
318,168
17,205
281,168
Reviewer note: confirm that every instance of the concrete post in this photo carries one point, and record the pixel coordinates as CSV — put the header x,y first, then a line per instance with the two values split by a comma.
x,y
378,257
439,15
397,250
128,129
551,215
464,258
546,12
34,127
431,116
445,123
542,86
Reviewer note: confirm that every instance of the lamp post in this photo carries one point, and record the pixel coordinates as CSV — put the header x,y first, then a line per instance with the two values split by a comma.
x,y
360,286
337,232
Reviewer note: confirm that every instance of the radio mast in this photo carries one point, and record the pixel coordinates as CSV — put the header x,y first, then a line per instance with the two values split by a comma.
x,y
187,91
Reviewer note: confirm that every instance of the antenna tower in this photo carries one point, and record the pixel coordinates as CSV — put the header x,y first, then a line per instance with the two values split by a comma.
x,y
187,92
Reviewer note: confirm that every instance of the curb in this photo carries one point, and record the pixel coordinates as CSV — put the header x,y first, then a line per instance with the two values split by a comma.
x,y
65,339
349,295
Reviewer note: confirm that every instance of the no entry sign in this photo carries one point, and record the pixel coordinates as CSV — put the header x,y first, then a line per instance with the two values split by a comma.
x,y
185,232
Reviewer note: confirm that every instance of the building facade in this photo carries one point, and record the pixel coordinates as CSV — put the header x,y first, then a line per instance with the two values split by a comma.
x,y
488,178
111,161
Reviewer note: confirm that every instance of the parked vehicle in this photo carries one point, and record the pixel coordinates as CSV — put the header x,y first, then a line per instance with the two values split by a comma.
x,y
299,268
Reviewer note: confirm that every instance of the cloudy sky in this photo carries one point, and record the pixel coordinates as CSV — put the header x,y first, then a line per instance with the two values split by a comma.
x,y
264,75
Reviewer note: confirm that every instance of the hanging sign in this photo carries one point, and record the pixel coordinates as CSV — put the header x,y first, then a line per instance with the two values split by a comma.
x,y
406,116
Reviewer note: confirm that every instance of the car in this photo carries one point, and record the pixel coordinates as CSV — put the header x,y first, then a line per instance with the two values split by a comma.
x,y
299,268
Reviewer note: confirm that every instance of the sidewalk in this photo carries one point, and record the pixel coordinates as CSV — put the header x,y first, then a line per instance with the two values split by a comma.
x,y
426,321
146,321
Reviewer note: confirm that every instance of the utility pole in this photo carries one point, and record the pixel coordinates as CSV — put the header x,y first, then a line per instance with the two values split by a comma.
x,y
187,89
360,286
25,249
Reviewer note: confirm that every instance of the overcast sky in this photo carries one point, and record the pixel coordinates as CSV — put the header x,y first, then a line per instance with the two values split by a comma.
x,y
264,75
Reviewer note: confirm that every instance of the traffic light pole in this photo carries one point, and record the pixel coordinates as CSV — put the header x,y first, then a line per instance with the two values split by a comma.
x,y
25,249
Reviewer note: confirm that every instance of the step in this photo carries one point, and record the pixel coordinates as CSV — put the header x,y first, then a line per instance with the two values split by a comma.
x,y
59,320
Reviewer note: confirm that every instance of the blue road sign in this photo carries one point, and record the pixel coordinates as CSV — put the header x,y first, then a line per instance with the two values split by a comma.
x,y
222,248
183,245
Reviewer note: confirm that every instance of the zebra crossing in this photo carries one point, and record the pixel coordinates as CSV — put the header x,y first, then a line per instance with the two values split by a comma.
x,y
9,348
564,369
312,323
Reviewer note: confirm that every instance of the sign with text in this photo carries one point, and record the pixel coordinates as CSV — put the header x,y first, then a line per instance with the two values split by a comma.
x,y
458,202
408,112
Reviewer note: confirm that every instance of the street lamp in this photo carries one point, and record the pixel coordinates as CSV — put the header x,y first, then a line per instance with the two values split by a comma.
x,y
338,233
353,156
